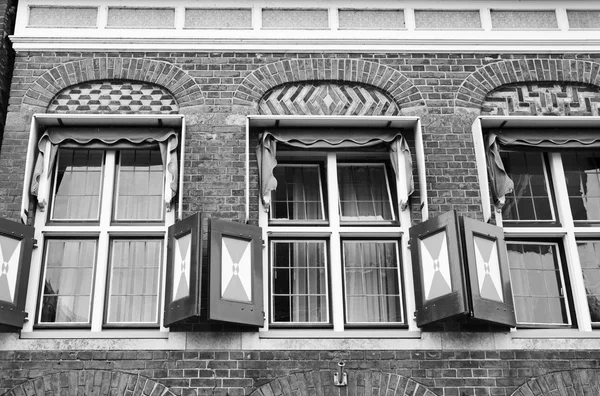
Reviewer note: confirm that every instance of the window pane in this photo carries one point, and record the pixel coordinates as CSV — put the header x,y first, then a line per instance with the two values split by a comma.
x,y
134,281
299,282
298,195
372,282
77,183
139,188
68,274
589,254
537,283
364,192
530,200
582,173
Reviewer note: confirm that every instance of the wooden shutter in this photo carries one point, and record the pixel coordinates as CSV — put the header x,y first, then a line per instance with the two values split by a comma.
x,y
235,273
184,272
440,289
16,244
491,295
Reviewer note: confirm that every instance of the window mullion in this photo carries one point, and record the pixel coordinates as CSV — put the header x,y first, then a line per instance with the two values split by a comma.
x,y
570,244
100,287
336,295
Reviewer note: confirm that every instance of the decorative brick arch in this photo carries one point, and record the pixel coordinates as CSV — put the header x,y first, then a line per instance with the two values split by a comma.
x,y
476,86
360,382
174,79
267,77
563,383
90,382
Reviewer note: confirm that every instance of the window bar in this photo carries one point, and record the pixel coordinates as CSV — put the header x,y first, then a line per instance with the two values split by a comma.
x,y
580,303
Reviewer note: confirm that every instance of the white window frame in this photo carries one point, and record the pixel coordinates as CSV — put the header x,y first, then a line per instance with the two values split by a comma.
x,y
103,231
566,233
334,233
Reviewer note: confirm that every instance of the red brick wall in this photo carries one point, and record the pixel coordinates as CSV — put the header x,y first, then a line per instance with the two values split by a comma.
x,y
7,20
216,91
300,373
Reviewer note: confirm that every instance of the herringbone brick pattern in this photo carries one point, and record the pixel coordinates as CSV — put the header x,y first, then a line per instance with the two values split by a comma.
x,y
266,77
327,99
114,96
543,99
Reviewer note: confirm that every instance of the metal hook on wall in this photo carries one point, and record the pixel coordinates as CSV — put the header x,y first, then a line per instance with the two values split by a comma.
x,y
341,377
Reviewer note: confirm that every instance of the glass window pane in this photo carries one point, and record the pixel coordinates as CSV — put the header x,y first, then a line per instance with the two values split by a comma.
x,y
134,281
299,282
364,192
68,278
582,173
537,283
530,200
139,189
299,193
77,185
371,282
589,256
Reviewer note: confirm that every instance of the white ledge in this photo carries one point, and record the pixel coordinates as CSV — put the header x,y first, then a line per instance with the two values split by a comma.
x,y
327,334
553,333
175,44
86,334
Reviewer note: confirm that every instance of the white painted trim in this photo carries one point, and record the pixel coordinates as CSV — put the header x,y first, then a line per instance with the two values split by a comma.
x,y
422,175
332,38
481,162
39,123
578,292
435,41
567,232
327,334
85,334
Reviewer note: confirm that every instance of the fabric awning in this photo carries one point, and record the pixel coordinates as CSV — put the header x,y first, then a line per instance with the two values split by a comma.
x,y
104,138
333,139
531,139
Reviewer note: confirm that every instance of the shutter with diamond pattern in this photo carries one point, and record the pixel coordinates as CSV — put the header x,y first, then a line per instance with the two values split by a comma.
x,y
235,273
16,244
491,295
184,270
436,250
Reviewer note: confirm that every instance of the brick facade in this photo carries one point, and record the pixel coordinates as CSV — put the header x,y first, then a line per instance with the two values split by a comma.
x,y
7,20
216,91
302,373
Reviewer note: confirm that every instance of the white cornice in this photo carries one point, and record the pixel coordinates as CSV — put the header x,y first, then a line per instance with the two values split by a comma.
x,y
304,45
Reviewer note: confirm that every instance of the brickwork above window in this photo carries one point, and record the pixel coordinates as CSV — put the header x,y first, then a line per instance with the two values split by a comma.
x,y
312,98
553,99
114,96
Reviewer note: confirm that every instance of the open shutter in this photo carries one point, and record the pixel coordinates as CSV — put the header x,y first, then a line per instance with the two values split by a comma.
x,y
440,289
491,294
16,244
235,273
184,273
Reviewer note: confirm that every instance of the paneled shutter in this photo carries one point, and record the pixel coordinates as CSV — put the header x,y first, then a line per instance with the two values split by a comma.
x,y
184,270
436,250
235,273
16,244
491,294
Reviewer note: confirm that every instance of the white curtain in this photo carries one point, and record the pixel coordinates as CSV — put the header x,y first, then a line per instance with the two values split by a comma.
x,y
104,138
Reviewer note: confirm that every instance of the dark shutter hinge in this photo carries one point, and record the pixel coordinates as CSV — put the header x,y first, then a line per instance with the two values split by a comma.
x,y
35,243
